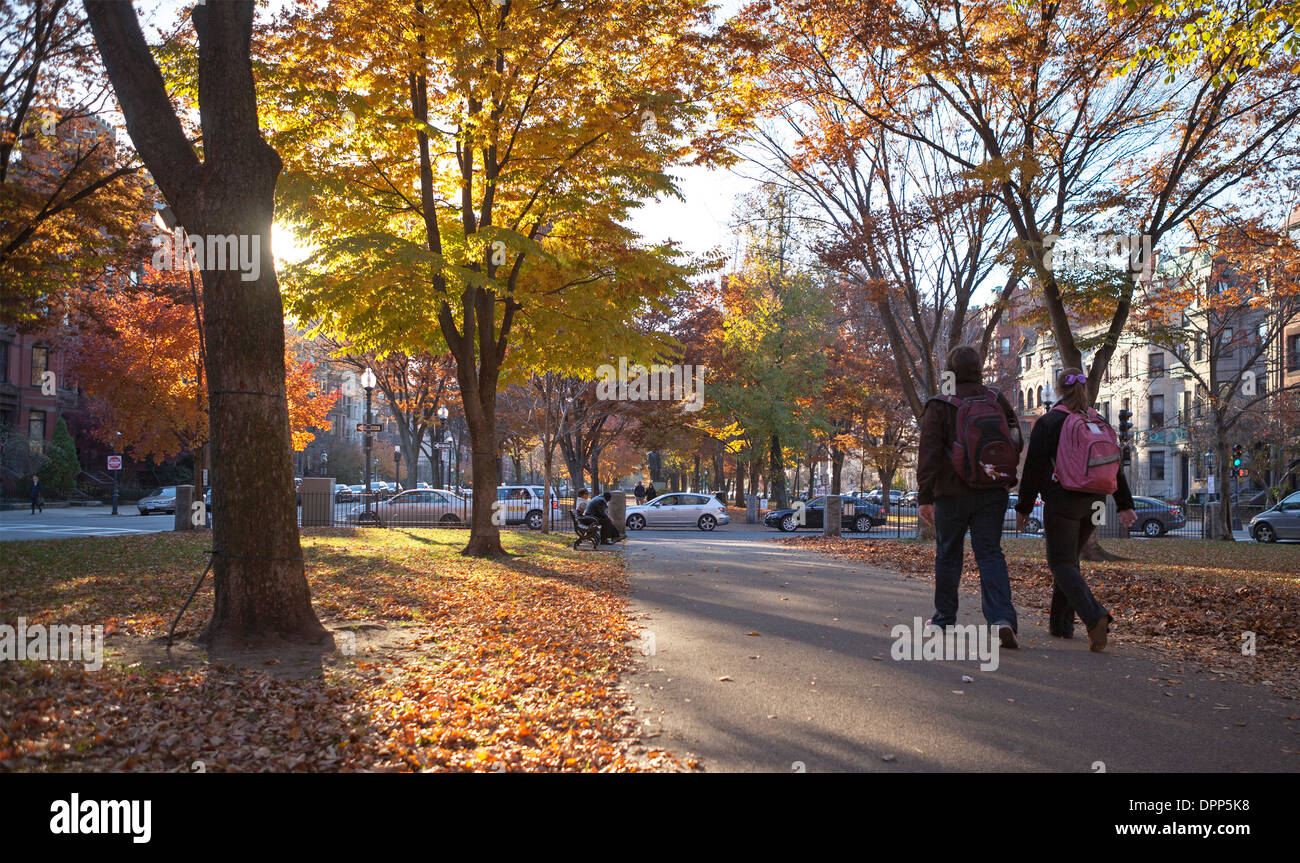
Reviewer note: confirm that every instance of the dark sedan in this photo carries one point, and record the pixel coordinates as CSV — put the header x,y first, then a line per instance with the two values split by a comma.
x,y
1157,517
856,516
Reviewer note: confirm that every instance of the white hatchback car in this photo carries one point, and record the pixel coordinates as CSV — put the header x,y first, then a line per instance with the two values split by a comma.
x,y
682,509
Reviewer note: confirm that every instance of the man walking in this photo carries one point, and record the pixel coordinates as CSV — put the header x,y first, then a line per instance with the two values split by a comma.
x,y
639,493
38,500
966,463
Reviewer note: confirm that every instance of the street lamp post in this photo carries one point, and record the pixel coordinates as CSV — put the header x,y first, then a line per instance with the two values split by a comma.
x,y
368,384
397,463
453,467
442,425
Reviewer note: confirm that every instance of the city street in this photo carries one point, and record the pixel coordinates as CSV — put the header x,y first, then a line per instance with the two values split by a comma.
x,y
768,658
63,522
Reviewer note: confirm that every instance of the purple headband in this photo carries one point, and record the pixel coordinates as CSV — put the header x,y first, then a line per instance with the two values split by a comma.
x,y
1071,380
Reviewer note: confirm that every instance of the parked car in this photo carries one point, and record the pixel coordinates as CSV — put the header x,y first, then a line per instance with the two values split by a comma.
x,y
524,504
159,500
685,509
1035,517
1157,517
1281,521
412,508
856,516
878,497
911,499
344,494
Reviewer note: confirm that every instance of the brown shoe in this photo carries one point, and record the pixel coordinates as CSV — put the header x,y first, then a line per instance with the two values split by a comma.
x,y
1097,634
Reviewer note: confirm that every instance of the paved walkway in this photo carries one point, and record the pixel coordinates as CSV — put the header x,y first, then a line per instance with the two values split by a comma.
x,y
817,690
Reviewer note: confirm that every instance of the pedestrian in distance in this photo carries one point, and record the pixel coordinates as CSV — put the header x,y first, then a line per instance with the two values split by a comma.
x,y
966,464
639,493
580,503
1074,462
650,493
38,499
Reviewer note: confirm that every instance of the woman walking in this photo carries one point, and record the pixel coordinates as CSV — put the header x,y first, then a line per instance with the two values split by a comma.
x,y
1074,462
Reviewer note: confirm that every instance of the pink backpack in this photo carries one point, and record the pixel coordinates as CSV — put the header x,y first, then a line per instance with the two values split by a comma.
x,y
1088,455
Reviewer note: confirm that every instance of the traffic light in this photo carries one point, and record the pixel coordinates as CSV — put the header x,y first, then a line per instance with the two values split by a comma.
x,y
1236,456
1128,457
1124,425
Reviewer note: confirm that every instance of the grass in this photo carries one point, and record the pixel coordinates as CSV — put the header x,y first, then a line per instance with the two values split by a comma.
x,y
457,663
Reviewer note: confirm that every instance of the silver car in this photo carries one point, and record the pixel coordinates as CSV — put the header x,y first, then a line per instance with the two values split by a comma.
x,y
678,510
159,500
1281,521
1035,517
414,508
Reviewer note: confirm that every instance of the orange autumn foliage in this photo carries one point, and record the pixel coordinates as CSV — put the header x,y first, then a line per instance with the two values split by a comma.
x,y
137,359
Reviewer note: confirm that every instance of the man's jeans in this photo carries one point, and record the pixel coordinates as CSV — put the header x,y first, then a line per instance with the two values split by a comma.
x,y
983,514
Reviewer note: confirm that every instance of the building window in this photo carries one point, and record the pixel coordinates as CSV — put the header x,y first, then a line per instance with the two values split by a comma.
x,y
1006,347
1126,371
1105,411
40,363
1292,353
1186,413
1040,397
1157,461
1200,348
1156,364
1157,418
4,362
36,430
1021,398
1227,343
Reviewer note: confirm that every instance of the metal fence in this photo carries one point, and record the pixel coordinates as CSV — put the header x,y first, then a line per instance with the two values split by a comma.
x,y
898,521
348,509
1156,519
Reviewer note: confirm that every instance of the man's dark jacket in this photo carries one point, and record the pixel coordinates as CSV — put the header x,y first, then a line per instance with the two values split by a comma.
x,y
598,507
935,476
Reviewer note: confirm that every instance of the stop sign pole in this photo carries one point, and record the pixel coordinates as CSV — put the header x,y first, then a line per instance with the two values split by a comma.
x,y
115,465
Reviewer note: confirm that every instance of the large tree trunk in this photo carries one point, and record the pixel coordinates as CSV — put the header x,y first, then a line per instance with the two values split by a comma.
x,y
837,469
261,592
886,483
740,482
777,471
546,494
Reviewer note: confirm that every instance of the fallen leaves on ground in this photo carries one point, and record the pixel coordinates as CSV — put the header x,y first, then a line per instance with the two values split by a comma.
x,y
1192,600
460,663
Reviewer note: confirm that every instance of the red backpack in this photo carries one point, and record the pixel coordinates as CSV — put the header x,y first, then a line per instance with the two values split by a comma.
x,y
984,452
1087,458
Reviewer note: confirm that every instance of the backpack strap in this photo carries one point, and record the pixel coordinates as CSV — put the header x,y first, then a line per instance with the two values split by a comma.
x,y
955,401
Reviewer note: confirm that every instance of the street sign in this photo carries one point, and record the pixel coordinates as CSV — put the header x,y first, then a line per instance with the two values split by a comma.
x,y
115,462
370,427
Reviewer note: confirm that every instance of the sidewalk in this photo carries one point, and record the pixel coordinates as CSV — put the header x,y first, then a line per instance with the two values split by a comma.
x,y
772,659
